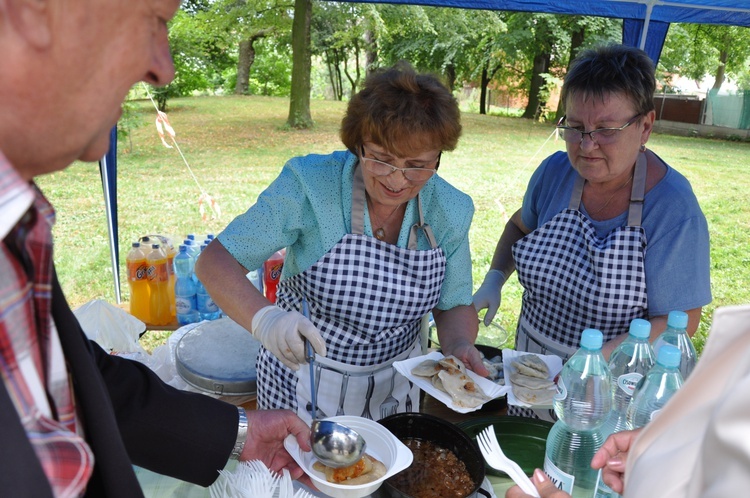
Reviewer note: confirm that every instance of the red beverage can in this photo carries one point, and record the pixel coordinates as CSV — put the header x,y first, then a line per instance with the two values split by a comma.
x,y
272,274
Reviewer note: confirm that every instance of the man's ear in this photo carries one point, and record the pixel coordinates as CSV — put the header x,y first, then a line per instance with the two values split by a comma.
x,y
30,19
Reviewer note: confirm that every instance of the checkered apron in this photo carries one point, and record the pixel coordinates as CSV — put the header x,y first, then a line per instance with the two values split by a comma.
x,y
367,298
574,280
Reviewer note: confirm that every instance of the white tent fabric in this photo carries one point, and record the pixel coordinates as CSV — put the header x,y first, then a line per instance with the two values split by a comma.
x,y
645,25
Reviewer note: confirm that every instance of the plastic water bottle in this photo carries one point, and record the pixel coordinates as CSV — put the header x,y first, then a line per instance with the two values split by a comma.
x,y
138,282
185,292
256,277
676,335
207,308
628,363
656,388
158,282
582,404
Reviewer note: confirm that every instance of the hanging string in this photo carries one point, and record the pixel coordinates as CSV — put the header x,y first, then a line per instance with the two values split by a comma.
x,y
164,128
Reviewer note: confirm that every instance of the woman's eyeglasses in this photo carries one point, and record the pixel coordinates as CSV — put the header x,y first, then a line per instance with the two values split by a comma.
x,y
415,175
601,136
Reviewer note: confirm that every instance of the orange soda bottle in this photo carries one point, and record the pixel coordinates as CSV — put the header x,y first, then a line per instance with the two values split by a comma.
x,y
138,283
272,274
158,282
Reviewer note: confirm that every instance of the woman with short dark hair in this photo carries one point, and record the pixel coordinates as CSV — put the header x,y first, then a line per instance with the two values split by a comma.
x,y
608,231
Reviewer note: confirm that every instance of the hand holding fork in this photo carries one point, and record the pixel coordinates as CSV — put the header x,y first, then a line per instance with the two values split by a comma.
x,y
494,455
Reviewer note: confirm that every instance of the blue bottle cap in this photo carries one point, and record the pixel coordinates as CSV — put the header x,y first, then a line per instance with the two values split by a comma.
x,y
677,319
591,339
183,248
669,356
640,328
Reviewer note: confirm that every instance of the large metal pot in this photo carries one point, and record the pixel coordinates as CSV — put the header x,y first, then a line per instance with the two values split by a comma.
x,y
440,433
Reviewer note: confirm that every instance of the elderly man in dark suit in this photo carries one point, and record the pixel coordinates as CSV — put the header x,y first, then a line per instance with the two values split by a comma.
x,y
74,420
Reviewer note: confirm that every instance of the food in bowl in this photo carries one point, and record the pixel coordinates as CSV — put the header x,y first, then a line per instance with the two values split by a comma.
x,y
365,471
436,472
449,375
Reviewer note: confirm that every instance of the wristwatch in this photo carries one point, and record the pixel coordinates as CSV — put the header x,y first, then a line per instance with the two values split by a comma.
x,y
239,444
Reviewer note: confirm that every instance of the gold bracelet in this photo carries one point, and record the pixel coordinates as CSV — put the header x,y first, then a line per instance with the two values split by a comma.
x,y
242,427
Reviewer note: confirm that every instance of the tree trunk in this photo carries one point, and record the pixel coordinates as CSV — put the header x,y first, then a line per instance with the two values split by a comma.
x,y
535,105
450,75
244,61
576,42
720,71
371,51
299,100
483,91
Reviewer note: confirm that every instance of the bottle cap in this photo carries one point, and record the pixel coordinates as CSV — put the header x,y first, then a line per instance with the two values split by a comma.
x,y
136,244
640,328
677,320
591,339
669,356
191,236
183,248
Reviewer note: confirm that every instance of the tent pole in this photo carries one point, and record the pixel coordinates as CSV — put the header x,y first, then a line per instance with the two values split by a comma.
x,y
104,170
646,21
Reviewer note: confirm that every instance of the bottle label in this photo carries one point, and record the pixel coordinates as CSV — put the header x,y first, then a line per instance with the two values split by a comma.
x,y
560,479
158,272
183,305
628,381
137,271
562,391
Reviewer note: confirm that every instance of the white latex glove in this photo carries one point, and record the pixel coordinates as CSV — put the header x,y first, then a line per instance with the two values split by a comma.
x,y
283,332
488,294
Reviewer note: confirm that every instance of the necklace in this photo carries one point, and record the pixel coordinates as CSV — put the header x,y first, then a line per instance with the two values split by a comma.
x,y
380,231
613,195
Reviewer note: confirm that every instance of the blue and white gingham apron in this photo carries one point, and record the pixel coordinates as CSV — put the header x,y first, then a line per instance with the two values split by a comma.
x,y
575,280
367,299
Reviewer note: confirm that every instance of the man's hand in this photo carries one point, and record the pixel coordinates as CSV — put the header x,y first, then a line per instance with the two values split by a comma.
x,y
267,430
488,295
283,333
542,484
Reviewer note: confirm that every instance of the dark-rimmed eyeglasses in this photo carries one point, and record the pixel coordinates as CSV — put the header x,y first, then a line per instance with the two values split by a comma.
x,y
415,175
601,136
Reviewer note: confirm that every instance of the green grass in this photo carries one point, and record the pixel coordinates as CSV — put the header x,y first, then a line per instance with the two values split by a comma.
x,y
237,145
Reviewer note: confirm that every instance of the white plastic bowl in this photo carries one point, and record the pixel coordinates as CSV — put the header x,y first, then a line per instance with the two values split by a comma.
x,y
381,444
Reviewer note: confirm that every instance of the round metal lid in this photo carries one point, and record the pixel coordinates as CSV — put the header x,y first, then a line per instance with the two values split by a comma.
x,y
218,357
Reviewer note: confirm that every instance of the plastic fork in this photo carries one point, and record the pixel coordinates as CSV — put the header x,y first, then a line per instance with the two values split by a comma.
x,y
494,456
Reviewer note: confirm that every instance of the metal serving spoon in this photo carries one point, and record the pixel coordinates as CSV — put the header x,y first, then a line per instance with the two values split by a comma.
x,y
334,444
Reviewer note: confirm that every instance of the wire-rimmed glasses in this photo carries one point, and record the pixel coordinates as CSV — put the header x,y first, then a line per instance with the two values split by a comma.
x,y
414,175
601,136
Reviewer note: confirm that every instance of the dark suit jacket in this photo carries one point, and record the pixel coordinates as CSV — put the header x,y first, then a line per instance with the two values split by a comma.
x,y
130,417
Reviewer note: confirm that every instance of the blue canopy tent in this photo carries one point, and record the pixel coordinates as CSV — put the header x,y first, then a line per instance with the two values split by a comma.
x,y
645,25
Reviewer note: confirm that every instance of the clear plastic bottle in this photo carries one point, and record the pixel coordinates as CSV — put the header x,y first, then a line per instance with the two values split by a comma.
x,y
158,282
193,250
676,335
171,278
656,388
185,292
207,308
582,403
138,282
628,363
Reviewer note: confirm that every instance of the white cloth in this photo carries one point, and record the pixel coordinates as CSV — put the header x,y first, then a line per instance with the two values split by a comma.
x,y
699,445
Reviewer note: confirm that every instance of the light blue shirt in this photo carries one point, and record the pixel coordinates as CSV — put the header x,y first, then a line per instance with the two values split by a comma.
x,y
677,252
307,209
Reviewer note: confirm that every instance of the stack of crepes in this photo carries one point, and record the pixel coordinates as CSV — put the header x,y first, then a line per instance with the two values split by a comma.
x,y
530,380
449,375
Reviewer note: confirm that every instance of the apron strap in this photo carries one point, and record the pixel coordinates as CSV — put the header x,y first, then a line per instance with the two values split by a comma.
x,y
637,192
358,202
358,213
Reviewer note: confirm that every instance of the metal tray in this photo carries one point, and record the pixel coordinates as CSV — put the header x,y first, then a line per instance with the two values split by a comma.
x,y
218,357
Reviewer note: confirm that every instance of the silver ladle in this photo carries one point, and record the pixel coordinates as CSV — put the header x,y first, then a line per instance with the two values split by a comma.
x,y
333,444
